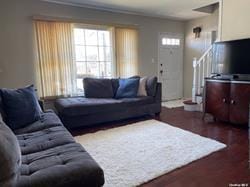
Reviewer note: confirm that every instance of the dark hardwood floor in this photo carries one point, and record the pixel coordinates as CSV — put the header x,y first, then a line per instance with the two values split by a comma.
x,y
222,168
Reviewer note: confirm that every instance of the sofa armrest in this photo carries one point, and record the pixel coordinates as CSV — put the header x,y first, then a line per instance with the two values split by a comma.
x,y
49,111
158,92
41,104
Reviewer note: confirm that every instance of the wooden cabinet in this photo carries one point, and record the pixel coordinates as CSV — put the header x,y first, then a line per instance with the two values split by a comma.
x,y
227,100
217,98
239,103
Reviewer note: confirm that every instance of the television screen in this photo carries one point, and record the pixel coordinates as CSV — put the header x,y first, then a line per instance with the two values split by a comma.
x,y
231,57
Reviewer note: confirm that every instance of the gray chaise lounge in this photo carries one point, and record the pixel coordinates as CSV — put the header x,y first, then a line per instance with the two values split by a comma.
x,y
77,112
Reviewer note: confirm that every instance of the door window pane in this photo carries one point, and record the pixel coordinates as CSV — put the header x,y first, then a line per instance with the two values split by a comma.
x,y
170,41
177,42
164,41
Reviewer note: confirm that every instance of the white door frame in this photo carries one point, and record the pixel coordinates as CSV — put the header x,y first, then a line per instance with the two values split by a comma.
x,y
181,37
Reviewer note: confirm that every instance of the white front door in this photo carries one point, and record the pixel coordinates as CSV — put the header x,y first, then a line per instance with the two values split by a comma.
x,y
170,66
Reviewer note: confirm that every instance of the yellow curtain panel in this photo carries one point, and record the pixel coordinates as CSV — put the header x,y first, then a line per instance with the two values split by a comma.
x,y
126,43
55,60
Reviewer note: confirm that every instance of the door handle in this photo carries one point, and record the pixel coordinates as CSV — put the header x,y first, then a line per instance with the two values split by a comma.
x,y
232,102
224,100
161,71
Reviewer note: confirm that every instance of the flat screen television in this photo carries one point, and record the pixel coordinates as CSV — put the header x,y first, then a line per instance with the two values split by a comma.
x,y
231,57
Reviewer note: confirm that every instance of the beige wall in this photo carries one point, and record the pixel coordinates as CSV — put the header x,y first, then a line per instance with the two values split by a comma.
x,y
195,47
235,19
16,36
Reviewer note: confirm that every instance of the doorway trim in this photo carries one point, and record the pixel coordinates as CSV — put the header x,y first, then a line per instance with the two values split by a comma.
x,y
181,37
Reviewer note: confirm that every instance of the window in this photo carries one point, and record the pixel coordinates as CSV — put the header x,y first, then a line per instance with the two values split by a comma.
x,y
68,52
170,41
93,53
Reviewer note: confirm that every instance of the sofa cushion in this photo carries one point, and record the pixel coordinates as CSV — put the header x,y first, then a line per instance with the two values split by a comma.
x,y
44,139
128,88
98,88
50,157
137,101
10,156
83,106
61,166
151,85
21,106
48,119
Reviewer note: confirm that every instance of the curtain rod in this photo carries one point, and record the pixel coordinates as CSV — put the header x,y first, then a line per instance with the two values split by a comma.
x,y
83,21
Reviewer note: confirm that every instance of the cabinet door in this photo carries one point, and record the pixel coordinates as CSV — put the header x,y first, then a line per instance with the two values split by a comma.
x,y
239,104
217,99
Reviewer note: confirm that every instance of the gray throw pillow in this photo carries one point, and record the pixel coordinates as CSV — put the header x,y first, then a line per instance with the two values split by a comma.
x,y
10,159
135,77
115,85
98,88
151,86
142,87
2,112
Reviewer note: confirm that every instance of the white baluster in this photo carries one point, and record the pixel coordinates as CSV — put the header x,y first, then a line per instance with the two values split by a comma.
x,y
194,89
210,64
203,71
207,64
199,78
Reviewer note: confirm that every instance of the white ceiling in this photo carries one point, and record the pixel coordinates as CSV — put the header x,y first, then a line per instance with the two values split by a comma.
x,y
176,9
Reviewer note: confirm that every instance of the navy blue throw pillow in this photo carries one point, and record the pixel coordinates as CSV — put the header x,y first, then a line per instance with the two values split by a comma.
x,y
128,88
21,106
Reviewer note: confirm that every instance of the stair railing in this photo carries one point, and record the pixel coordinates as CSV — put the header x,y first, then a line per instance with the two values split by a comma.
x,y
201,69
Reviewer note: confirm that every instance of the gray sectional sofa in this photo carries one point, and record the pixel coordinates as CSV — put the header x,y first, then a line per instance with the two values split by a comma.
x,y
44,154
77,112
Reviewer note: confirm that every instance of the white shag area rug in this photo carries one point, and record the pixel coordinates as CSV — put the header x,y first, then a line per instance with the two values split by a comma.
x,y
173,103
134,154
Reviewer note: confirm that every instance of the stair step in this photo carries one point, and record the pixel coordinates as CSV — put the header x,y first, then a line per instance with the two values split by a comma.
x,y
192,106
189,102
198,95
